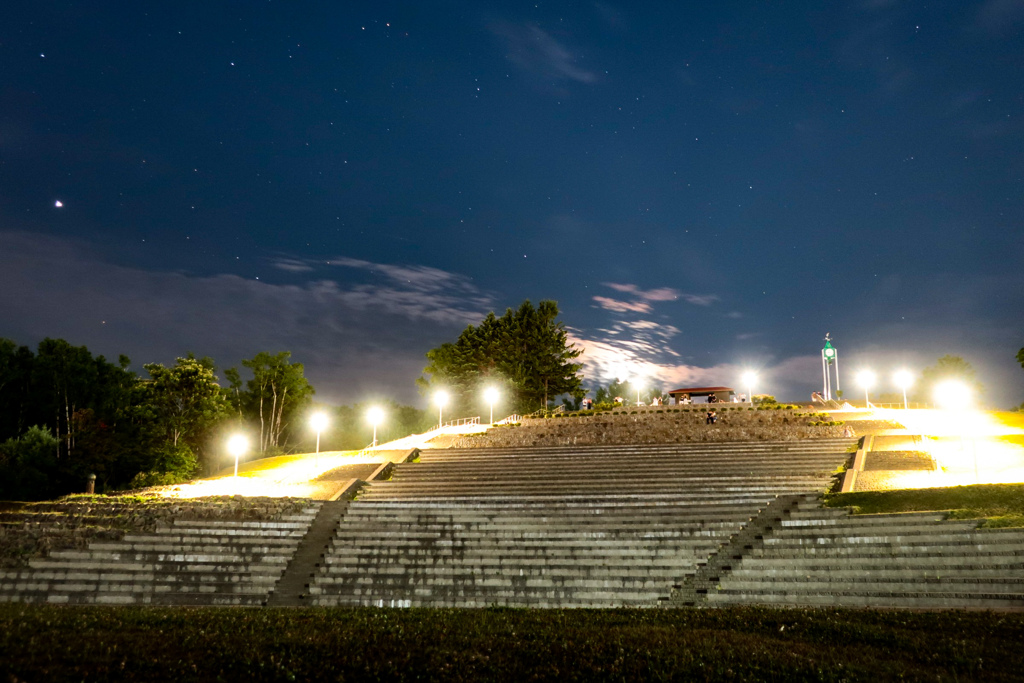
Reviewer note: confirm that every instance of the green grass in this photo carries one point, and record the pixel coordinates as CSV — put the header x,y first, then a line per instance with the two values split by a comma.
x,y
1000,505
749,644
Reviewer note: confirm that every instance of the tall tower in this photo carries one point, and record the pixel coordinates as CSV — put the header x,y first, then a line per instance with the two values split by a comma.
x,y
829,359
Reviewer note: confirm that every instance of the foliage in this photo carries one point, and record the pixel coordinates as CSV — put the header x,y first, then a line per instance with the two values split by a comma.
x,y
737,644
97,417
276,394
764,400
946,368
27,463
350,430
998,504
627,391
185,401
525,354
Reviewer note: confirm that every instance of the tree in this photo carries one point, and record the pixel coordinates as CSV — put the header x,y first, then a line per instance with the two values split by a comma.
x,y
1020,357
525,353
275,394
15,385
946,368
185,400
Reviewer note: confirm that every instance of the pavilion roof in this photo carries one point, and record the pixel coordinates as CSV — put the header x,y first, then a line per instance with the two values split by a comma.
x,y
700,390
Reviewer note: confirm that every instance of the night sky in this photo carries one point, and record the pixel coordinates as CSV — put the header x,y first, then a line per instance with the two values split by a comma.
x,y
703,187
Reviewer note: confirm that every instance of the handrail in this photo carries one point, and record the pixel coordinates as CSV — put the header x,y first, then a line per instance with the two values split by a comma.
x,y
511,419
461,421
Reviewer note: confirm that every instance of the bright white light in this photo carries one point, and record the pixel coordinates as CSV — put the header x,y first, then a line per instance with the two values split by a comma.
x,y
749,378
952,394
375,415
318,421
866,379
441,398
903,379
238,444
58,203
491,394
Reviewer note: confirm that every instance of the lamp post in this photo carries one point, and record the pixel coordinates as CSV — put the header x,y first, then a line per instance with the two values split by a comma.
x,y
318,421
375,415
441,399
866,379
748,380
904,379
956,396
238,444
491,394
639,385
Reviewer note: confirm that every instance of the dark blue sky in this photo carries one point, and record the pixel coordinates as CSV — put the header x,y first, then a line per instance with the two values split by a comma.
x,y
703,187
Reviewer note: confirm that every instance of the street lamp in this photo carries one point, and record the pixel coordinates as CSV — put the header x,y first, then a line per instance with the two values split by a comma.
x,y
318,421
748,380
866,379
904,379
375,415
638,383
491,394
953,395
441,399
238,444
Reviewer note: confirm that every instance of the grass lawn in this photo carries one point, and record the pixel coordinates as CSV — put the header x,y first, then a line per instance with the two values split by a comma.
x,y
749,644
1000,505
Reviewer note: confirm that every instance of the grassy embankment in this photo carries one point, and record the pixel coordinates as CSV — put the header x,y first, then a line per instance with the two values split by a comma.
x,y
1000,505
155,644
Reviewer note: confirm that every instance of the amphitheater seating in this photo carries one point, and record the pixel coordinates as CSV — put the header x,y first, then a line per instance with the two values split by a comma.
x,y
181,563
557,526
827,557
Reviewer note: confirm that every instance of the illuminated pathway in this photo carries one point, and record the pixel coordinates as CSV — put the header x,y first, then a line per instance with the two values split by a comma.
x,y
968,446
308,475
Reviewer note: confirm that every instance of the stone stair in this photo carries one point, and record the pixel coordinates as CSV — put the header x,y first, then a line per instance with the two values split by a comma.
x,y
828,557
592,526
184,562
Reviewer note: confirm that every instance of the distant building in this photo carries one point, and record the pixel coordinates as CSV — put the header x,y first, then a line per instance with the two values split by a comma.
x,y
723,394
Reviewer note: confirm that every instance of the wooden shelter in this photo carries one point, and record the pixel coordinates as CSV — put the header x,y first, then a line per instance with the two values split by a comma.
x,y
723,394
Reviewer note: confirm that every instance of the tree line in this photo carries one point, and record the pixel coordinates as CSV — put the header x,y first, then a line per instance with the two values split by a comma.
x,y
66,413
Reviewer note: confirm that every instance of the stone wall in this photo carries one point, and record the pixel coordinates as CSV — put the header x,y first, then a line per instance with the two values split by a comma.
x,y
30,530
669,425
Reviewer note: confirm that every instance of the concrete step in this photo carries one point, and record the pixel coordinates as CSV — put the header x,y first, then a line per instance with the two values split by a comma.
x,y
902,599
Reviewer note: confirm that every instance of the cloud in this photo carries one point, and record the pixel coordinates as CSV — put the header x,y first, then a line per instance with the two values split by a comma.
x,y
355,339
535,51
662,294
622,306
292,265
699,299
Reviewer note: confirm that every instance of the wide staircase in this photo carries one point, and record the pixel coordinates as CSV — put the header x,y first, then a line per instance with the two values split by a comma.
x,y
827,557
558,526
182,562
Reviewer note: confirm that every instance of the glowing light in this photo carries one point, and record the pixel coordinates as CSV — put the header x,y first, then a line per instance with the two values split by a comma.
x,y
748,379
952,395
318,421
58,204
441,399
866,379
904,379
491,395
375,415
238,444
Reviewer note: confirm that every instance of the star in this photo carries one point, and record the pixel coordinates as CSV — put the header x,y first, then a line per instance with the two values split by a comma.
x,y
59,204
